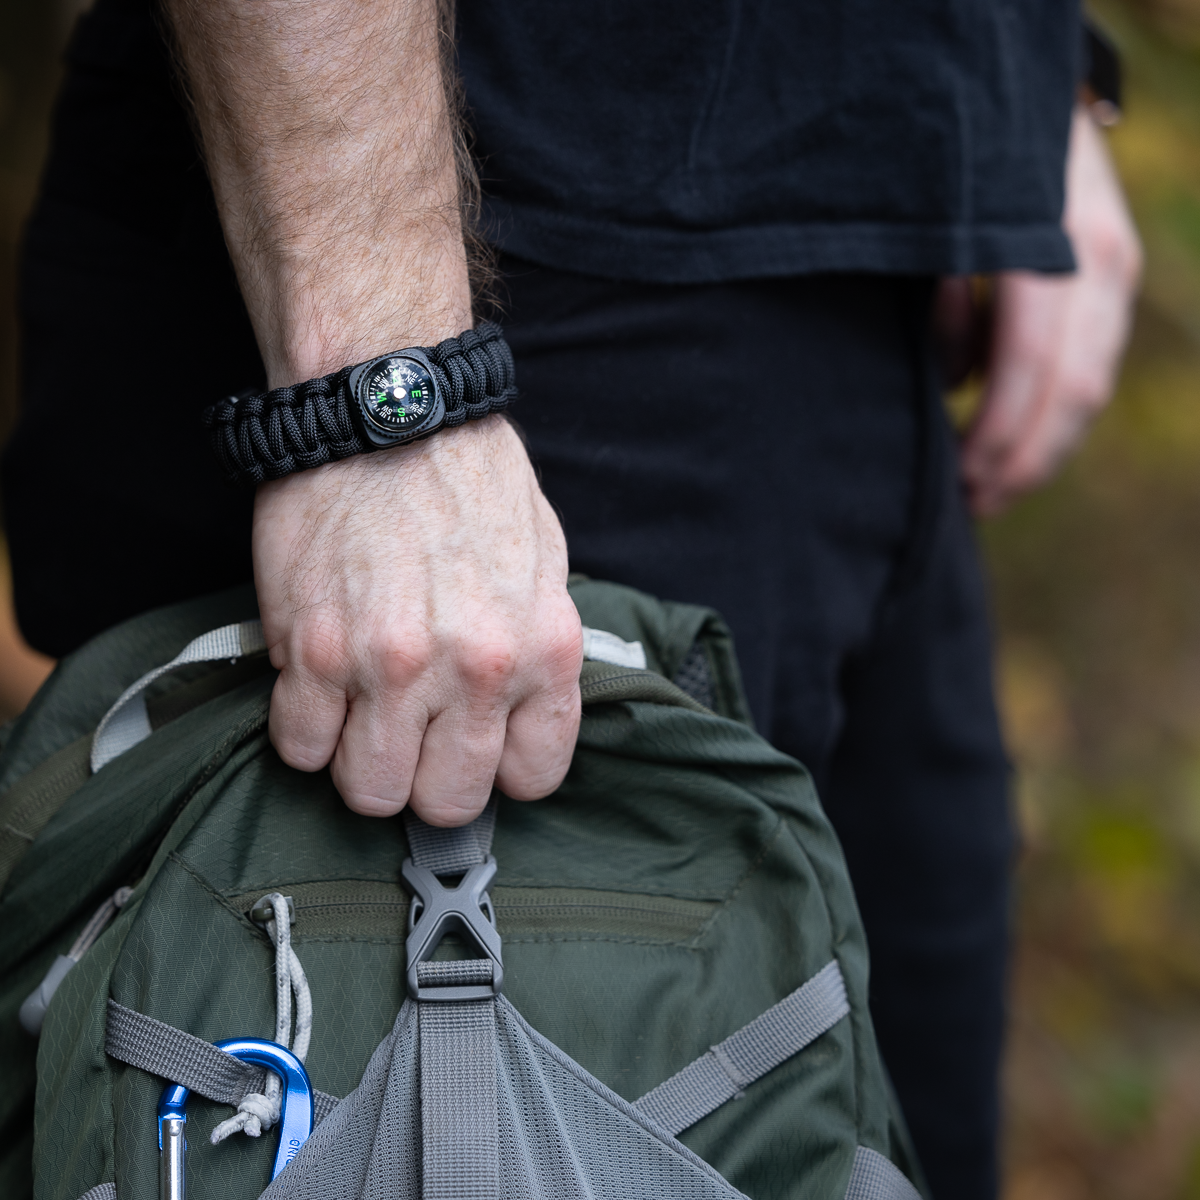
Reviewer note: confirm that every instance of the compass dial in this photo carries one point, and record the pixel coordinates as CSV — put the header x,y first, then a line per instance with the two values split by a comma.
x,y
398,394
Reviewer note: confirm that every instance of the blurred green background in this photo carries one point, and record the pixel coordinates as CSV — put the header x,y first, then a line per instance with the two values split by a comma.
x,y
1097,584
1098,604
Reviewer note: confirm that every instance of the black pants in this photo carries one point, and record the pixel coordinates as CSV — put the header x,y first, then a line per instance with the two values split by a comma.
x,y
774,449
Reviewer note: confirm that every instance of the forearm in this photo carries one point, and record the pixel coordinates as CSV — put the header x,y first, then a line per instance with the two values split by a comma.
x,y
330,143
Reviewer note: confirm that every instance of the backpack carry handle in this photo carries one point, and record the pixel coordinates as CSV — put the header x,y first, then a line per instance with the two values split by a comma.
x,y
295,1120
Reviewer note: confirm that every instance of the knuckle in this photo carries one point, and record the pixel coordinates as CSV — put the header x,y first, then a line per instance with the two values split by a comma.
x,y
401,656
1034,341
1113,245
1029,475
1106,241
532,775
322,648
487,665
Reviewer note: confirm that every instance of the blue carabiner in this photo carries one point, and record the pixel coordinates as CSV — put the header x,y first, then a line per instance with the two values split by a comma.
x,y
295,1119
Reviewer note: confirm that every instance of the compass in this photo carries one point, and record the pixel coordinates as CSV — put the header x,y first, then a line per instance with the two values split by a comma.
x,y
397,395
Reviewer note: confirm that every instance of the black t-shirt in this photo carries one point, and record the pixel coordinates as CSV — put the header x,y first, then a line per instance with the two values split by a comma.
x,y
695,140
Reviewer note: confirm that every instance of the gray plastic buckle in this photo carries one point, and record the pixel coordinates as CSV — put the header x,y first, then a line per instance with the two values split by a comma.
x,y
437,910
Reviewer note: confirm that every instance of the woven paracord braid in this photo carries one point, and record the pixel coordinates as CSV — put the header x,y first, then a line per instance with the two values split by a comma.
x,y
291,429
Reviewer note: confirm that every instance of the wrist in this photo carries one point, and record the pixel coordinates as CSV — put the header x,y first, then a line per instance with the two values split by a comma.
x,y
310,330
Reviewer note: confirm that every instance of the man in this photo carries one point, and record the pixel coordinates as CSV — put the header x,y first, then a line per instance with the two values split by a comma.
x,y
721,232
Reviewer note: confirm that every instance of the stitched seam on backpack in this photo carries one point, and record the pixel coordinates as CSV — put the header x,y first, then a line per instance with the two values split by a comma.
x,y
835,940
220,756
242,917
735,891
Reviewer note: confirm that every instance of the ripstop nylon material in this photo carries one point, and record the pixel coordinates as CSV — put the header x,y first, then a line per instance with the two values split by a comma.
x,y
127,722
28,805
746,1056
701,1087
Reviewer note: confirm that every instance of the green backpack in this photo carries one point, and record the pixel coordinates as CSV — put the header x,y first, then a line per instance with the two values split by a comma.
x,y
662,993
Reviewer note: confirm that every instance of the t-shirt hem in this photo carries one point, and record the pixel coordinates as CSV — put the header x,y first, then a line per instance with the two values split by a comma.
x,y
664,255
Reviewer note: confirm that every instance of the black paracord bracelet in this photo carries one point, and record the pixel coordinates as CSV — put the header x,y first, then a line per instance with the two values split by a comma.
x,y
387,401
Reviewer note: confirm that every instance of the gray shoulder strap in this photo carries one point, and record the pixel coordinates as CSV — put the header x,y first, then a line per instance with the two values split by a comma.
x,y
127,722
722,1073
875,1177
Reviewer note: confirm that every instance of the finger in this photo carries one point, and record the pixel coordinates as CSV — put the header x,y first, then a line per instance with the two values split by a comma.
x,y
539,743
1085,365
1076,395
1059,427
378,751
307,715
457,767
1031,314
543,725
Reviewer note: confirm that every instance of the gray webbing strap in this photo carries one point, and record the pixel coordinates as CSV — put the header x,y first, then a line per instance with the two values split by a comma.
x,y
178,1057
601,646
127,722
451,851
721,1073
102,1191
875,1177
460,1137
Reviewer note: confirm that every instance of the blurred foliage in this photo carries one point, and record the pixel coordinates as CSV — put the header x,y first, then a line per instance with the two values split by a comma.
x,y
1098,603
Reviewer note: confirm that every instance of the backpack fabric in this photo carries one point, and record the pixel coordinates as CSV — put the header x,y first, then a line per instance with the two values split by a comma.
x,y
684,1006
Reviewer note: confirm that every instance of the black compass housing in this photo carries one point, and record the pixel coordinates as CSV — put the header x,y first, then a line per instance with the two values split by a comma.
x,y
397,397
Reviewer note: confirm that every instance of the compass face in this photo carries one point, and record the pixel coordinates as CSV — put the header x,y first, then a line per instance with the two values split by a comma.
x,y
398,394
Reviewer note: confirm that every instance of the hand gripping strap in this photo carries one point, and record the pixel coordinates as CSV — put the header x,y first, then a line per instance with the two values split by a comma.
x,y
291,429
451,851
